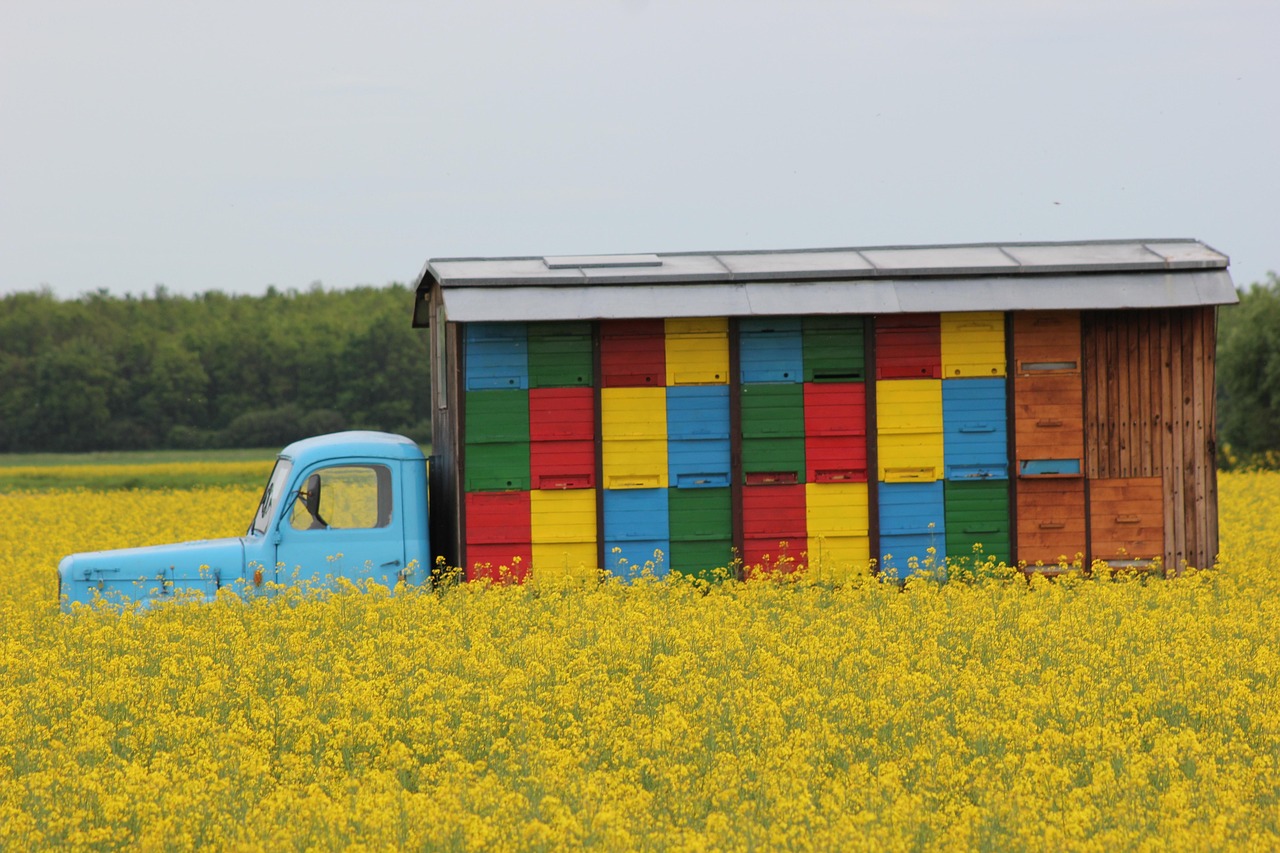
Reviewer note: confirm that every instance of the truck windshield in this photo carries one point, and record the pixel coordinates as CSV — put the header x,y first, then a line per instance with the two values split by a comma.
x,y
271,496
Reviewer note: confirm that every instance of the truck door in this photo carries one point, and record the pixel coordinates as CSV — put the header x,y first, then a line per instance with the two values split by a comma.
x,y
343,523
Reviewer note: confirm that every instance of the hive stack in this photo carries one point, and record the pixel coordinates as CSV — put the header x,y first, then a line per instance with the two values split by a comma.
x,y
530,450
665,443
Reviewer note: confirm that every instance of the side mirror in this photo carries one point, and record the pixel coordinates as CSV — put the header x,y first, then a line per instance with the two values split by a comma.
x,y
312,499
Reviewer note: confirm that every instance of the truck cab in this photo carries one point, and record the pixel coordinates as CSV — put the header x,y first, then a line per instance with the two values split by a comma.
x,y
351,505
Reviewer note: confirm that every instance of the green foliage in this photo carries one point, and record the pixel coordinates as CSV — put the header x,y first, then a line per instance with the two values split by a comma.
x,y
213,370
1249,373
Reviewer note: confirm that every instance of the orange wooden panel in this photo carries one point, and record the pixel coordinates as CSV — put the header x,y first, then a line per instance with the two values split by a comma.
x,y
1045,338
1048,417
1126,518
1051,520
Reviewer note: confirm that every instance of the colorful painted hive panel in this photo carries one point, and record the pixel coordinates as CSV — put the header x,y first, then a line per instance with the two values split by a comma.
x,y
774,531
975,440
562,414
497,416
770,349
697,351
912,527
701,530
772,433
636,531
496,356
633,353
908,346
698,436
498,534
973,344
835,416
560,355
562,448
562,516
837,523
634,437
909,427
834,349
497,466
977,521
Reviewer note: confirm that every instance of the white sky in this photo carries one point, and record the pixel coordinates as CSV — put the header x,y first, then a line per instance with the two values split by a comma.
x,y
230,145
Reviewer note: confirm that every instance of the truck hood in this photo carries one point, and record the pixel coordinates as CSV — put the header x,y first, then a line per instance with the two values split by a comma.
x,y
151,573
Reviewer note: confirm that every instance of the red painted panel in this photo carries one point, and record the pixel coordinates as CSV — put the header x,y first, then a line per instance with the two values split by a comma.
x,y
633,353
774,512
563,464
835,408
766,556
499,563
498,517
835,458
560,414
909,346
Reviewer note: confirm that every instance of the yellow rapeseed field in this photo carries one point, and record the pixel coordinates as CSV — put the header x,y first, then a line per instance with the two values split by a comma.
x,y
1075,714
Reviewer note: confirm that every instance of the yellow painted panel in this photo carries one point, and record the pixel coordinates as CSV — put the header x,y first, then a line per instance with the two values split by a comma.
x,y
697,351
635,463
910,458
838,558
836,509
564,564
562,515
909,429
973,344
909,406
633,413
696,326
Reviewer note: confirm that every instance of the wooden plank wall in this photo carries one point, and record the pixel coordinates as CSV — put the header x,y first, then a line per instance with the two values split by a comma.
x,y
1149,412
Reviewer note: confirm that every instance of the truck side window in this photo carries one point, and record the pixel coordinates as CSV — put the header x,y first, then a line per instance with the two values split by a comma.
x,y
344,497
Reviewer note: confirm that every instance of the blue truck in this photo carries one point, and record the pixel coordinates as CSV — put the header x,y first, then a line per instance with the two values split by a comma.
x,y
350,505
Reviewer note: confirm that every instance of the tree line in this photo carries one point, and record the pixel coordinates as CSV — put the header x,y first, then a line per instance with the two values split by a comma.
x,y
1249,377
103,372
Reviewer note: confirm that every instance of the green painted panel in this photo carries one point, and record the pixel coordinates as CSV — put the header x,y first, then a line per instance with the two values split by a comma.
x,y
833,349
762,456
770,410
706,559
497,466
700,514
977,512
560,355
497,416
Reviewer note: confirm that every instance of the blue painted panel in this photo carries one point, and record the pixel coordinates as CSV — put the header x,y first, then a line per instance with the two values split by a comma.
x,y
636,527
1049,467
698,411
975,435
631,558
897,553
906,511
770,349
635,515
910,507
497,356
698,463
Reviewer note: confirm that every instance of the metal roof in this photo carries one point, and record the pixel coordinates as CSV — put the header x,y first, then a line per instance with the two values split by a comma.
x,y
874,280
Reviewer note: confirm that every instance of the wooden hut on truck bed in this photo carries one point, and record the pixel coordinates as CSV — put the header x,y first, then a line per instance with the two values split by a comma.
x,y
1029,402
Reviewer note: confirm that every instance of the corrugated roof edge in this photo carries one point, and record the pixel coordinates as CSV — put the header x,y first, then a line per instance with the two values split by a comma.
x,y
1092,256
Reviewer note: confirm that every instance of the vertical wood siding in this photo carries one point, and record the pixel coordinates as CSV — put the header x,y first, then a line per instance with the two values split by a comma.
x,y
1149,412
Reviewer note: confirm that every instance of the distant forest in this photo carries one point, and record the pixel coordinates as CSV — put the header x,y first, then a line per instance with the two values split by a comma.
x,y
161,371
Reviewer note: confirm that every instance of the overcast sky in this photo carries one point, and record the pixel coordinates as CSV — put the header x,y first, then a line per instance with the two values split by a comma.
x,y
232,145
